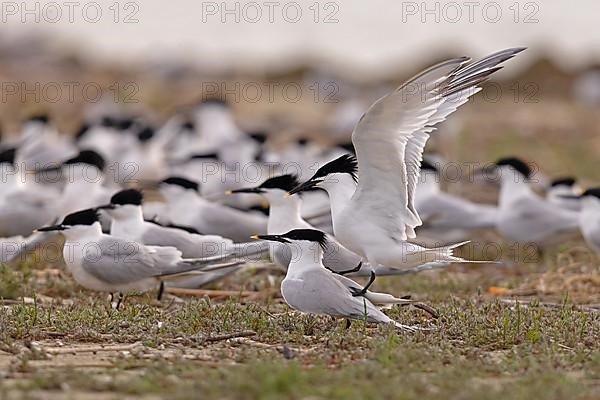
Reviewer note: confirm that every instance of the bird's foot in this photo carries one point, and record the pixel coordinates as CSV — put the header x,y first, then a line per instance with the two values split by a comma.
x,y
363,291
161,290
120,300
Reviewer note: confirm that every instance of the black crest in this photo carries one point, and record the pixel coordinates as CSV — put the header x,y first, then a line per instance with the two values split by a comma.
x,y
565,181
146,134
88,157
8,156
345,164
595,192
258,136
203,156
517,164
183,182
43,118
426,165
302,141
128,196
83,217
284,182
188,125
311,235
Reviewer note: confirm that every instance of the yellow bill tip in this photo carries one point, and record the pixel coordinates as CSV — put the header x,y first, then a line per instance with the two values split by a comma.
x,y
228,193
254,237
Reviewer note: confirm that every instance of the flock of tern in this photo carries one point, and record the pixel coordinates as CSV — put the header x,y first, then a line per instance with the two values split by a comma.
x,y
362,214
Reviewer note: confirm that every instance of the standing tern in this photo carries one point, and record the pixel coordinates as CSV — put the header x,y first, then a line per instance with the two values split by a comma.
x,y
523,216
24,204
561,187
309,287
185,206
102,262
127,222
589,216
373,201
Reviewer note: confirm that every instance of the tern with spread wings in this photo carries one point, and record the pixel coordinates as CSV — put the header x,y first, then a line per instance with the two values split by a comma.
x,y
372,197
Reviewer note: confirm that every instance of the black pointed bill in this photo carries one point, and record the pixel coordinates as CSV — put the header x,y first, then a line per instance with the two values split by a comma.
x,y
256,190
272,238
310,184
51,228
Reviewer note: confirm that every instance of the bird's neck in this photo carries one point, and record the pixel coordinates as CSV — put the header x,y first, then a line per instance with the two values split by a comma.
x,y
590,211
340,194
304,257
513,186
182,197
284,213
128,226
429,183
11,177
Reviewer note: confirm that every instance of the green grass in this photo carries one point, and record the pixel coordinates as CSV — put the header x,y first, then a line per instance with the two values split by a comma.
x,y
483,348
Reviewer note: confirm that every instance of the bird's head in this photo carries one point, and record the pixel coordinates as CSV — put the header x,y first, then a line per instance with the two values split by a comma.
x,y
590,196
299,237
88,158
124,203
505,168
177,185
76,223
88,166
7,157
332,173
273,188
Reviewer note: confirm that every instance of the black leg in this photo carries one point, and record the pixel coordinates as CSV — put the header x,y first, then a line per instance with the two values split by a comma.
x,y
121,297
348,271
363,291
348,323
112,297
161,290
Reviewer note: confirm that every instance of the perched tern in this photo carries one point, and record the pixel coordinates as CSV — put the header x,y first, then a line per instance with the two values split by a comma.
x,y
127,222
184,206
102,262
589,216
311,288
24,204
561,187
523,216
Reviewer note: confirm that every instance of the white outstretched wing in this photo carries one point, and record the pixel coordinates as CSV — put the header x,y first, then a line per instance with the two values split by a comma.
x,y
391,136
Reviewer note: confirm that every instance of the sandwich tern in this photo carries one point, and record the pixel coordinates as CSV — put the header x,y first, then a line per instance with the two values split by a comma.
x,y
184,206
561,187
523,216
589,216
372,201
127,222
102,262
311,288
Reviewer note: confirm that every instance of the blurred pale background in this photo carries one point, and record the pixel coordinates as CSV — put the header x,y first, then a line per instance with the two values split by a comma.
x,y
355,36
